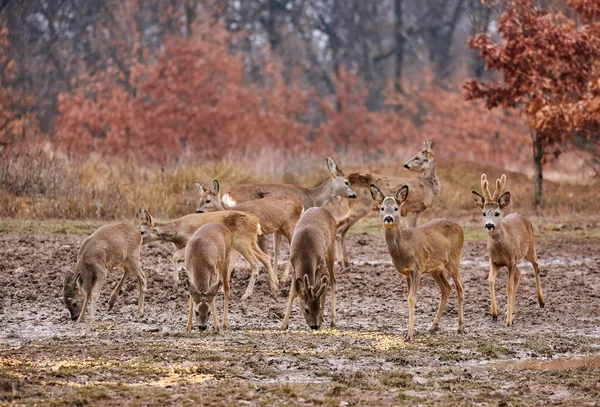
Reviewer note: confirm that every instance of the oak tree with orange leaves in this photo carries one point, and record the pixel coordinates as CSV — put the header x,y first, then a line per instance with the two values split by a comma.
x,y
549,67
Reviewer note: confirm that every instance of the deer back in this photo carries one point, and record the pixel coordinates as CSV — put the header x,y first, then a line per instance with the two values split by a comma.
x,y
110,245
206,251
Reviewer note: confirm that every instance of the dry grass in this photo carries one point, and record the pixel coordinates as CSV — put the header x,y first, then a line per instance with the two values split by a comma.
x,y
43,184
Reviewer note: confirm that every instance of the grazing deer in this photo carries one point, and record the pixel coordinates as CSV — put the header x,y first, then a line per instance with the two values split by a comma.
x,y
423,191
244,226
111,246
510,239
206,253
277,214
429,248
336,185
312,255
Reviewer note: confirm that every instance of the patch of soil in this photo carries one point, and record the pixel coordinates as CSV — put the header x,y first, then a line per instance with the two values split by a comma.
x,y
46,358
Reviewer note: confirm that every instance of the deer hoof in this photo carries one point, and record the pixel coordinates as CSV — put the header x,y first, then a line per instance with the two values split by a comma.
x,y
245,297
433,328
461,330
542,304
409,337
494,318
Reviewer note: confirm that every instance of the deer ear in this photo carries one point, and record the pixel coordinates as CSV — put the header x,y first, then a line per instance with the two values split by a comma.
x,y
194,292
504,200
402,194
479,201
145,217
376,194
333,167
79,280
214,289
299,287
200,187
215,187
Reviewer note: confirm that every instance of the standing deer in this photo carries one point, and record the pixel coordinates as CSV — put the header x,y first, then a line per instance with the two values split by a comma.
x,y
244,226
312,255
336,185
277,215
111,246
206,253
429,248
510,239
423,191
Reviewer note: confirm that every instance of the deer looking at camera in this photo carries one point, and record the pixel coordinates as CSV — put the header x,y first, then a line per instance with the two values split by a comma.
x,y
111,246
207,259
431,248
423,191
244,226
277,215
510,239
336,185
312,255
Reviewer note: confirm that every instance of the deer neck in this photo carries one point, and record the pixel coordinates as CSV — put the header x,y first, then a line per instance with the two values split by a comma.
x,y
497,236
323,193
393,237
430,174
169,232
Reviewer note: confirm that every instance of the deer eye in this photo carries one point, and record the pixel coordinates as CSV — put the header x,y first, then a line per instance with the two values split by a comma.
x,y
497,214
483,214
347,183
382,209
208,201
395,209
306,310
74,305
143,232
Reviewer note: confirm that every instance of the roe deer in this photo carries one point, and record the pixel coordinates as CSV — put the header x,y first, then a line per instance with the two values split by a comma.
x,y
277,215
312,254
429,248
206,253
111,246
510,239
244,226
336,185
423,191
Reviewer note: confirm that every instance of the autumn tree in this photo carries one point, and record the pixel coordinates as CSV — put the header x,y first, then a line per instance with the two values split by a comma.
x,y
548,65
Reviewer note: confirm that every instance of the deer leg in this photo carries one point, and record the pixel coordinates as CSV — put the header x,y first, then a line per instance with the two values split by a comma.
x,y
87,289
344,226
333,283
538,285
276,250
226,294
133,266
288,309
215,318
190,315
264,259
178,256
510,287
115,294
445,288
95,292
492,282
248,254
233,257
459,292
412,300
288,266
517,279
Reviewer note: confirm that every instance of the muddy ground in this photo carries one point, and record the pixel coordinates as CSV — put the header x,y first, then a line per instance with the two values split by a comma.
x,y
549,355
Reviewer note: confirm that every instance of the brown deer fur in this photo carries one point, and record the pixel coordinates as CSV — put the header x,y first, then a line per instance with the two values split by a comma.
x,y
431,248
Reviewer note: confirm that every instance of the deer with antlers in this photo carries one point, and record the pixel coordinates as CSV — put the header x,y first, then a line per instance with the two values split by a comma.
x,y
423,191
312,257
510,239
431,248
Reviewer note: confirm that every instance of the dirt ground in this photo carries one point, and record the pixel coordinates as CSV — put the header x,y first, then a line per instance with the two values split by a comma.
x,y
549,356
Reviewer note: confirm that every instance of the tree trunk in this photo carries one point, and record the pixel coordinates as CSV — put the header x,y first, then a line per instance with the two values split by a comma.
x,y
399,45
538,155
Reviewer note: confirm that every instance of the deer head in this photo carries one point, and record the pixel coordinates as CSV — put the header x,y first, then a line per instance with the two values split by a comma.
x,y
341,185
389,206
73,295
202,302
423,160
492,205
210,199
312,299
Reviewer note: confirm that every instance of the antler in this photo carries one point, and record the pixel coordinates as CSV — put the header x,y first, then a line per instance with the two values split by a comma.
x,y
485,188
308,290
500,183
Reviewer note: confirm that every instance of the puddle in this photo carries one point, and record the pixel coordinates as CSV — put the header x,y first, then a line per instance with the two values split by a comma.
x,y
592,362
